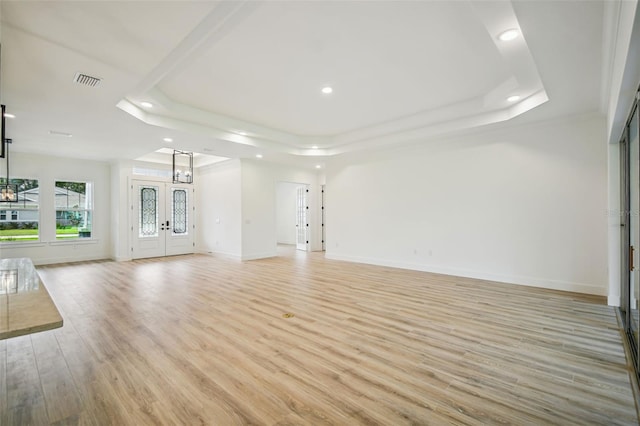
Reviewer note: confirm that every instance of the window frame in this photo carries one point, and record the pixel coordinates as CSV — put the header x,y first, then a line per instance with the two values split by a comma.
x,y
87,211
12,211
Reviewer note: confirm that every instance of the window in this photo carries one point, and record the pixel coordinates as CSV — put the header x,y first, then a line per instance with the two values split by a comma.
x,y
74,210
19,220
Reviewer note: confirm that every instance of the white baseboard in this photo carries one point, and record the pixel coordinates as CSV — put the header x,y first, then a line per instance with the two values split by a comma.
x,y
254,256
221,253
68,259
257,256
482,275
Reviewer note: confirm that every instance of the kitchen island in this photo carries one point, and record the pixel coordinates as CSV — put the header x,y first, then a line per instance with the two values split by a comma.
x,y
25,304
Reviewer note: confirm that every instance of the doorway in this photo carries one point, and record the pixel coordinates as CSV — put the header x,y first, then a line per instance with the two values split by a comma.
x,y
162,219
293,218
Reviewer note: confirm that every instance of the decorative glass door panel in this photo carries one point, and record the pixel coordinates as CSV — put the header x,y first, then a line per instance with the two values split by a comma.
x,y
179,206
148,226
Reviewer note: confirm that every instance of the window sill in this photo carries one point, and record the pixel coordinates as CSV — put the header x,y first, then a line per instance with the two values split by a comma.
x,y
76,241
21,244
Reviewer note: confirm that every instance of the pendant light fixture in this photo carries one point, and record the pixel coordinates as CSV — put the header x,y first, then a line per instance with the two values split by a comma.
x,y
8,191
182,167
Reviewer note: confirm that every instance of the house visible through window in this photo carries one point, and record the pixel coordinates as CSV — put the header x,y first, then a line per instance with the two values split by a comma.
x,y
74,209
19,220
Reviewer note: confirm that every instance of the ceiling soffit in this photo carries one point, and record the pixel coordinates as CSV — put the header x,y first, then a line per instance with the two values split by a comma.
x,y
513,72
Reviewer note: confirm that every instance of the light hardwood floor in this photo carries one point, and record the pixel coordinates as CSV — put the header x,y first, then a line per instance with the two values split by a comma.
x,y
202,340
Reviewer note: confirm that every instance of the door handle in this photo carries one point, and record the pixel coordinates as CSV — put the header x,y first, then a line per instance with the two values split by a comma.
x,y
631,266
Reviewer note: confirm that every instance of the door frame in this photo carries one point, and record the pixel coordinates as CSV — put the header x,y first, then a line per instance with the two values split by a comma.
x,y
625,276
312,241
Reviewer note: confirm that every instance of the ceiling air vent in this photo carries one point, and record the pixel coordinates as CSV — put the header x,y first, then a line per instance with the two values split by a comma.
x,y
87,80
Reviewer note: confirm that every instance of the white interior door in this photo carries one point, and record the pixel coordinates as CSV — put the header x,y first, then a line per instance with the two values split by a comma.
x,y
322,208
302,224
162,219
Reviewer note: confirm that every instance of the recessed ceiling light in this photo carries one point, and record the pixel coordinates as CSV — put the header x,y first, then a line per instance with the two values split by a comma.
x,y
6,114
258,155
58,133
146,104
318,166
314,147
326,90
513,98
509,35
167,140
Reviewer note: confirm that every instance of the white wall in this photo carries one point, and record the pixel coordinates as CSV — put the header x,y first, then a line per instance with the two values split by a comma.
x,y
259,226
219,208
524,204
237,207
47,170
286,196
120,211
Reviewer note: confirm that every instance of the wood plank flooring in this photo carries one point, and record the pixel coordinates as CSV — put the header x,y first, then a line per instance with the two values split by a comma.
x,y
202,340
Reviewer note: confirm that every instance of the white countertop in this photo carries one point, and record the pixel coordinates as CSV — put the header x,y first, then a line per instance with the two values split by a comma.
x,y
25,304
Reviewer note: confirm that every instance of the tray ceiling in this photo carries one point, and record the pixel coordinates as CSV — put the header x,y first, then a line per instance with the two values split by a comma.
x,y
234,78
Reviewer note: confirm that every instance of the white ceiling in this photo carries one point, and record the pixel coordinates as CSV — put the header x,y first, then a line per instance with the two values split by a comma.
x,y
401,72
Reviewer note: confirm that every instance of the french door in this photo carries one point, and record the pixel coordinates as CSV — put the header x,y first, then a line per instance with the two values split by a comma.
x,y
162,219
630,233
302,218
